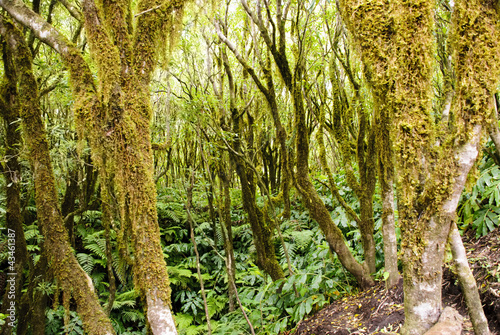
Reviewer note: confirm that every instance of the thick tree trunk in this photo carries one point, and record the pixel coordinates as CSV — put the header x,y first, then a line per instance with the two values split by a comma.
x,y
16,243
423,271
396,40
70,275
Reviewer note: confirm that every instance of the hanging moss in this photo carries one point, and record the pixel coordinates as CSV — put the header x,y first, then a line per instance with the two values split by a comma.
x,y
476,51
74,281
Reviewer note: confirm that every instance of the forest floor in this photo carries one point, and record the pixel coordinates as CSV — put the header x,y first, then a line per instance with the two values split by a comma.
x,y
380,311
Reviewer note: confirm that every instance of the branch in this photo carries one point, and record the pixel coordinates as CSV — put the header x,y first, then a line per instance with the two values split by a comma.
x,y
240,59
278,55
81,76
75,12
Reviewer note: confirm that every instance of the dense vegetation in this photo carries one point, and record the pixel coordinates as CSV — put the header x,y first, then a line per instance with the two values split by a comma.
x,y
276,156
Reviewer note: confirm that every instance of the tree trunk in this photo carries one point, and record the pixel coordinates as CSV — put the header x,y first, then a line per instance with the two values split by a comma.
x,y
68,272
262,229
430,180
386,180
315,205
468,283
34,302
389,235
115,116
227,234
16,243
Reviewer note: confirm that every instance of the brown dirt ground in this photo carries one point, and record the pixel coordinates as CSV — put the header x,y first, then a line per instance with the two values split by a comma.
x,y
380,311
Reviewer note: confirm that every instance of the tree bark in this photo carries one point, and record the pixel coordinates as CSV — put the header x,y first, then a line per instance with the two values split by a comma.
x,y
70,275
16,242
450,323
389,235
468,283
115,116
396,41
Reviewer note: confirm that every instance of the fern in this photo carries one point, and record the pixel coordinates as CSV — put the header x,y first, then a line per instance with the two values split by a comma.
x,y
98,278
182,320
120,266
302,238
86,261
92,216
127,298
133,316
179,276
31,232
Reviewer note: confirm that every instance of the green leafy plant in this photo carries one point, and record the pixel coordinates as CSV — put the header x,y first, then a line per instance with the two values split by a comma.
x,y
480,208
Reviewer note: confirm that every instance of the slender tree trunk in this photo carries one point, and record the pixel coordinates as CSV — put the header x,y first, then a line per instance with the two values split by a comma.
x,y
189,205
315,205
468,283
389,234
262,229
494,129
227,234
68,204
386,180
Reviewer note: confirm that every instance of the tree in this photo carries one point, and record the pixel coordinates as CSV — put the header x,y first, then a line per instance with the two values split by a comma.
x,y
70,275
396,45
294,77
10,113
114,116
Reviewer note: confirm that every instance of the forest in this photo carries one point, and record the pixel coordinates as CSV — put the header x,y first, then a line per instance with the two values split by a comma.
x,y
239,166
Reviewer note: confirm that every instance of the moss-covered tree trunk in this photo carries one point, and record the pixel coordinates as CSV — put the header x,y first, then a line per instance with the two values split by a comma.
x,y
396,42
114,115
63,263
34,302
16,242
224,201
262,228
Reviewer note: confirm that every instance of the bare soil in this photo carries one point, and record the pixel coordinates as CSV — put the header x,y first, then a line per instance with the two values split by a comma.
x,y
381,311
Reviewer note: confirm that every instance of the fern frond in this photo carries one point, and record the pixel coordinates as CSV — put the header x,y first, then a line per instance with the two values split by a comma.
x,y
86,261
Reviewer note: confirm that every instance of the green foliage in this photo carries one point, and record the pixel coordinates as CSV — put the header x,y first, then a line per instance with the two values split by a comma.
x,y
480,208
55,322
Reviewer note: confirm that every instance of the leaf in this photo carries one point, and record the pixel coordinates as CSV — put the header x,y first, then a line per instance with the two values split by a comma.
x,y
86,261
316,282
182,320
